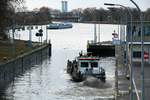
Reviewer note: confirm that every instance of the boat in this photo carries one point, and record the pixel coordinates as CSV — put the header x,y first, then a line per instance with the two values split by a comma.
x,y
84,66
53,26
59,26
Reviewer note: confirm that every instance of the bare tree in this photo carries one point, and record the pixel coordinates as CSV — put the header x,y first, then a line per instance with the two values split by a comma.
x,y
7,10
147,15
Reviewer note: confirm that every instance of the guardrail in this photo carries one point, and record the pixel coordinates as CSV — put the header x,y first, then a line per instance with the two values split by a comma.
x,y
136,91
133,80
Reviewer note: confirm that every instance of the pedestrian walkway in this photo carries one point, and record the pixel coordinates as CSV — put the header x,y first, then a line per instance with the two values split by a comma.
x,y
123,84
124,81
137,76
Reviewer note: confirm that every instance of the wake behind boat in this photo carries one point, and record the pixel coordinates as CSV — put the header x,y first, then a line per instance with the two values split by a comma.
x,y
59,26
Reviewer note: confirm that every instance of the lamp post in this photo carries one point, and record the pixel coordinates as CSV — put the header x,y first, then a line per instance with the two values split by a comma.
x,y
142,51
95,35
30,37
13,37
46,35
13,42
131,68
110,4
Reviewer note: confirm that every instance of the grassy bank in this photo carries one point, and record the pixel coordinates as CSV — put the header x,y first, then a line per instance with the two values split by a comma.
x,y
8,51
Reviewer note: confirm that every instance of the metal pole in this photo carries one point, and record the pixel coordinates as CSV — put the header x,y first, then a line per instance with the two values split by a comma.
x,y
116,73
142,52
46,35
95,36
41,37
30,37
13,42
132,75
131,67
149,55
99,32
131,52
127,47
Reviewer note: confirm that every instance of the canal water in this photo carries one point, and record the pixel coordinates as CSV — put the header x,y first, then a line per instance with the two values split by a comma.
x,y
49,80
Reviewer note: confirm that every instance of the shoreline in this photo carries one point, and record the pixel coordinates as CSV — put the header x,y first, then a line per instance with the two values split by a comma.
x,y
9,51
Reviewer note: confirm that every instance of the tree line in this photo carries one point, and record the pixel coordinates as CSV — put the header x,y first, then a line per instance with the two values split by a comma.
x,y
11,15
7,10
111,15
35,17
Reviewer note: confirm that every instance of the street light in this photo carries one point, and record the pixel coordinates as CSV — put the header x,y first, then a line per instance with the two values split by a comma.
x,y
126,8
30,37
142,51
46,35
131,73
13,41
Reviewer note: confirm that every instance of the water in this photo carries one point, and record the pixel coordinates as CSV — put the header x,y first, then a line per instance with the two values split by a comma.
x,y
49,80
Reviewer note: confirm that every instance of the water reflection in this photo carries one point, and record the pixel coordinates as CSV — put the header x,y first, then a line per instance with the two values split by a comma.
x,y
49,80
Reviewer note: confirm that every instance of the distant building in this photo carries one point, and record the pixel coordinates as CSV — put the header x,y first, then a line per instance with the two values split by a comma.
x,y
64,6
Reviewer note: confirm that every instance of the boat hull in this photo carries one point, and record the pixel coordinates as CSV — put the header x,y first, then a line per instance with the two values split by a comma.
x,y
59,26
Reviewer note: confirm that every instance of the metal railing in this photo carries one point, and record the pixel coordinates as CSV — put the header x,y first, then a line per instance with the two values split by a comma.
x,y
136,91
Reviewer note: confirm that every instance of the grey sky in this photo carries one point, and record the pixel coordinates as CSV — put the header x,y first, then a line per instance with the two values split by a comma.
x,y
73,4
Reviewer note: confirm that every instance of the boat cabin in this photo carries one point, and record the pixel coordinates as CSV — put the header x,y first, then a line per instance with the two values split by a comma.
x,y
85,66
89,65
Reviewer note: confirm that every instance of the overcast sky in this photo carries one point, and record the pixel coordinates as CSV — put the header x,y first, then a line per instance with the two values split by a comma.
x,y
73,4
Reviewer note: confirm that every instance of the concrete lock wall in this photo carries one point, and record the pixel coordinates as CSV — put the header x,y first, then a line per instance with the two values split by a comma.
x,y
17,66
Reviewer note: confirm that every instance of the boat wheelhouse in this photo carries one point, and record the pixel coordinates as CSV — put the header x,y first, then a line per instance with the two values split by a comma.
x,y
83,66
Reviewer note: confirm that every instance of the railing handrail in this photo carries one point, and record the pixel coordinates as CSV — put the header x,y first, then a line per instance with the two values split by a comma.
x,y
136,91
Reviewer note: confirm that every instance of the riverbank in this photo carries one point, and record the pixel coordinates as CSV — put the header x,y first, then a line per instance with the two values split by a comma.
x,y
99,22
93,22
9,51
23,61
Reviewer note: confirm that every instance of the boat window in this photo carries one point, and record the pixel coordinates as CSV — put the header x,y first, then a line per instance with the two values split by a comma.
x,y
84,64
94,64
137,54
